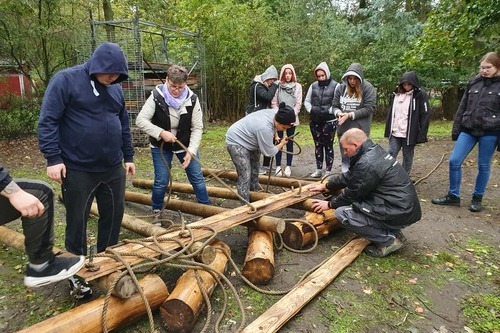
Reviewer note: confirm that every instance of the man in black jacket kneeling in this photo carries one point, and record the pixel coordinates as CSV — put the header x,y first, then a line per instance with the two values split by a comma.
x,y
378,198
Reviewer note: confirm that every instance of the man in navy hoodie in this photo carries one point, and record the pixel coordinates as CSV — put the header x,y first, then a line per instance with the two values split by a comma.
x,y
84,134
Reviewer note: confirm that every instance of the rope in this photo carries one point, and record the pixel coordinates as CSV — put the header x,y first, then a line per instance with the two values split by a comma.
x,y
184,260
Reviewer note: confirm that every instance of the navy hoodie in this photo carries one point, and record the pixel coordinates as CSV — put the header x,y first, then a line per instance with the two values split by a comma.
x,y
83,123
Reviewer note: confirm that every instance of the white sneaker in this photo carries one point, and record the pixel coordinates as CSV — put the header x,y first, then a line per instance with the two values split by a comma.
x,y
317,174
288,171
328,173
279,172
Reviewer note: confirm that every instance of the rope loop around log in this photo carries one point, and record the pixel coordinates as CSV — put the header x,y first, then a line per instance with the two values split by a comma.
x,y
297,195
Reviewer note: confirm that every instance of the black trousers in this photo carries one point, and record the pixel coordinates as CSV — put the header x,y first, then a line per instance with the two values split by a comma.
x,y
79,190
38,231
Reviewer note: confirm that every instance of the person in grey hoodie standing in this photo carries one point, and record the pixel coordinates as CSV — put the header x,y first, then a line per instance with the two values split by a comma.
x,y
353,105
84,134
261,93
407,119
318,103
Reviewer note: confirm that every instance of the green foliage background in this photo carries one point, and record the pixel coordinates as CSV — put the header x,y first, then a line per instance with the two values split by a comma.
x,y
441,40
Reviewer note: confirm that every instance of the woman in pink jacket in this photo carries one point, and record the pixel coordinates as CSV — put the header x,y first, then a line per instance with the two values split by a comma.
x,y
289,92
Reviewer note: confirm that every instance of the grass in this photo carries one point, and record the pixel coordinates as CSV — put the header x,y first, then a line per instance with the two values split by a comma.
x,y
398,285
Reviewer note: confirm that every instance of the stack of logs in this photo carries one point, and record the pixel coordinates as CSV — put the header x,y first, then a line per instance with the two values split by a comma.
x,y
181,307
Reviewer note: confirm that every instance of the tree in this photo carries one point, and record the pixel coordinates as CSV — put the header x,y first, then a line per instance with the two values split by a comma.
x,y
455,36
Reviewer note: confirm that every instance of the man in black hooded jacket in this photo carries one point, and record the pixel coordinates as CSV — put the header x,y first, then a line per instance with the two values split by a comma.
x,y
378,198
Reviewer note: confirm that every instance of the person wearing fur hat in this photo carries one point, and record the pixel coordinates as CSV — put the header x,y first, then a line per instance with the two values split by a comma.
x,y
252,135
318,103
290,92
407,119
353,105
261,93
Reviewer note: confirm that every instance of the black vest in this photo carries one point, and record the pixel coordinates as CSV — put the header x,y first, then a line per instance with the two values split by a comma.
x,y
161,118
321,101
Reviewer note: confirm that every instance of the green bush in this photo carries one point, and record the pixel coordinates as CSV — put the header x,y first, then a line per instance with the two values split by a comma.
x,y
20,119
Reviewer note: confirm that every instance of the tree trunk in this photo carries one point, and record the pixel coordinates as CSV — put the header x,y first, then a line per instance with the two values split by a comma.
x,y
182,307
298,234
259,261
86,318
108,16
450,102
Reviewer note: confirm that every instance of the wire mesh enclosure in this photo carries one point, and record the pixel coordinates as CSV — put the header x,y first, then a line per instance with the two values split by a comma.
x,y
150,49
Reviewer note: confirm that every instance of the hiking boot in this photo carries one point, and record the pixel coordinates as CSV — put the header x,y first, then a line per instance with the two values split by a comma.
x,y
375,251
279,172
447,200
317,174
288,171
78,288
475,204
57,269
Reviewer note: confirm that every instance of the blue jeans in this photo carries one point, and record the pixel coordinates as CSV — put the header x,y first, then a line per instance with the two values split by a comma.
x,y
463,146
193,172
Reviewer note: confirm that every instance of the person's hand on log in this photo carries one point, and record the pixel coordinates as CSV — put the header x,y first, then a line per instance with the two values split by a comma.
x,y
319,206
317,188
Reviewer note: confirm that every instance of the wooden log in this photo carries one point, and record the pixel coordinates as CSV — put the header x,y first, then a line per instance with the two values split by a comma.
x,y
220,222
282,311
263,179
134,224
86,318
259,260
262,223
182,307
206,253
298,234
124,288
220,192
15,239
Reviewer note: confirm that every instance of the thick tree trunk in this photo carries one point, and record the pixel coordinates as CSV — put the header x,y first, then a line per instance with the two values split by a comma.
x,y
86,318
259,261
298,234
182,307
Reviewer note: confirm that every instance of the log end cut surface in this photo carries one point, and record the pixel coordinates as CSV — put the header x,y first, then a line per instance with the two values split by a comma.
x,y
177,316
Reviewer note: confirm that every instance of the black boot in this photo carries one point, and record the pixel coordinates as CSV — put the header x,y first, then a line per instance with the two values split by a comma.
x,y
475,204
447,200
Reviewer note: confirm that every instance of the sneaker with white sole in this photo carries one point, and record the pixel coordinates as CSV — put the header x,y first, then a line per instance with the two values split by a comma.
x,y
317,174
288,171
263,170
78,288
57,269
279,172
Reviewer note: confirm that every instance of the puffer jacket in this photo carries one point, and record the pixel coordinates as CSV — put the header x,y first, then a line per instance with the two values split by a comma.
x,y
479,110
377,186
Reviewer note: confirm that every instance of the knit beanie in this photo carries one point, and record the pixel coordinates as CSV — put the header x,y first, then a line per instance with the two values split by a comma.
x,y
270,73
285,115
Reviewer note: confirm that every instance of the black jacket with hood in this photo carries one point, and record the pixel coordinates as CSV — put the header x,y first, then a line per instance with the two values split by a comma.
x,y
376,185
418,112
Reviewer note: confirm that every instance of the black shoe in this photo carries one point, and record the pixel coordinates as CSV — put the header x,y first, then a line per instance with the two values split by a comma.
x,y
447,200
58,268
375,251
475,204
78,288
